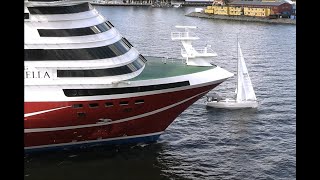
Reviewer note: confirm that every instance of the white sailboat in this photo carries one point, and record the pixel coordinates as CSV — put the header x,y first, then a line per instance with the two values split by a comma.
x,y
245,95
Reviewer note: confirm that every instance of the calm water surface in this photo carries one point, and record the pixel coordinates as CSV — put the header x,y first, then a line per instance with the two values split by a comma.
x,y
202,143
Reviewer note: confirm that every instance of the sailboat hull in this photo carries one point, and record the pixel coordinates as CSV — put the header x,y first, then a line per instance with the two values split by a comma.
x,y
232,104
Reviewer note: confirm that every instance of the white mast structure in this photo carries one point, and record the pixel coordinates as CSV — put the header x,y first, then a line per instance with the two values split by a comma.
x,y
193,57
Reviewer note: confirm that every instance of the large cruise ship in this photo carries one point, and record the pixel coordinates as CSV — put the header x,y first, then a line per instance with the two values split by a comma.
x,y
85,84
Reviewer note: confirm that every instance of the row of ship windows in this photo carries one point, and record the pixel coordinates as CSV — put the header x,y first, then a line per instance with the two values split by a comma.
x,y
126,69
108,104
105,26
61,9
112,50
112,91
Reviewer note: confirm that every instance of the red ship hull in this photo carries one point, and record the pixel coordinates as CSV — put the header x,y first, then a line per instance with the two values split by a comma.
x,y
52,125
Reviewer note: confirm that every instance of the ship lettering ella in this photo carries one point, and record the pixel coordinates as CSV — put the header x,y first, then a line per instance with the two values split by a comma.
x,y
36,74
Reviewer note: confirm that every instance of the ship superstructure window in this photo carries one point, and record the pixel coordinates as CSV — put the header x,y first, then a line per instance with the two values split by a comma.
x,y
76,31
110,91
26,15
129,68
61,9
110,23
127,42
143,58
112,50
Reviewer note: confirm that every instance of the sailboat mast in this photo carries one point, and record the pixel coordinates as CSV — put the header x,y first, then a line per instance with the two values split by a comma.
x,y
237,67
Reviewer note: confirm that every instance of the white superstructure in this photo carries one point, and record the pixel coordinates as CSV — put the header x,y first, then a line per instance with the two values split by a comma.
x,y
193,56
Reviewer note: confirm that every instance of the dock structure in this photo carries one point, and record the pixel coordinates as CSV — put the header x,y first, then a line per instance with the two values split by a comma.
x,y
252,8
242,18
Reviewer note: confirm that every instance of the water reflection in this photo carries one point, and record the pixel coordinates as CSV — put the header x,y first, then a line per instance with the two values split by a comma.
x,y
114,162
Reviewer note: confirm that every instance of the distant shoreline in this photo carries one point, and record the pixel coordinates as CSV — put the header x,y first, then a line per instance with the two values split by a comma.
x,y
213,16
242,18
150,4
121,4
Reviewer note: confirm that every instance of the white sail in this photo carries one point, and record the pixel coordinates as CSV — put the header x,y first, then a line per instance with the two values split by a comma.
x,y
245,96
244,87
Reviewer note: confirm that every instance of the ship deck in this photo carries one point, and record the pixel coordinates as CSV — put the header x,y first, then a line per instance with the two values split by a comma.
x,y
160,67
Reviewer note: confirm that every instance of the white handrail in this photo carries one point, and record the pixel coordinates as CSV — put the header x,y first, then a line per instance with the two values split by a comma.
x,y
186,27
180,35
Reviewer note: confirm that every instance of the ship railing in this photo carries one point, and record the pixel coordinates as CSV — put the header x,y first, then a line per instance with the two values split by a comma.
x,y
205,50
166,60
182,35
198,51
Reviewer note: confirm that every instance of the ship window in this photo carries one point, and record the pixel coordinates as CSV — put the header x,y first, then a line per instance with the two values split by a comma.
x,y
108,104
127,109
75,31
26,15
81,114
116,49
139,101
143,58
77,106
124,90
124,103
93,105
109,23
127,42
129,68
60,9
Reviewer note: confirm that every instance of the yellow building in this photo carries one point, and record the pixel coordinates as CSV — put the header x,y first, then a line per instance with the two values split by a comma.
x,y
238,10
221,10
235,11
208,11
260,12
